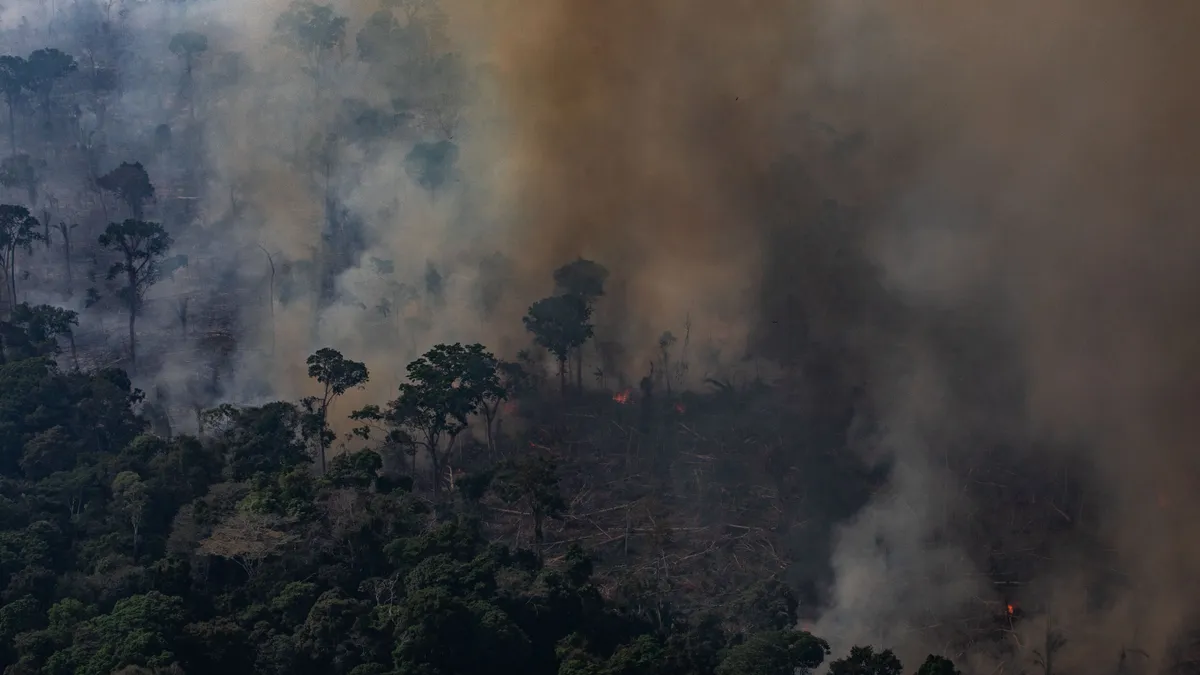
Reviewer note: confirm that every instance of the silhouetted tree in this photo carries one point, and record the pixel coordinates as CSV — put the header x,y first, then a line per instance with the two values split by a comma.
x,y
14,80
532,482
337,375
937,665
188,45
45,68
22,172
44,324
560,324
142,246
131,184
18,232
866,661
439,397
584,278
314,31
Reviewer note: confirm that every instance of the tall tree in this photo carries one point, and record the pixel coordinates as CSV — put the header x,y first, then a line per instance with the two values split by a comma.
x,y
14,80
188,45
437,400
560,324
314,31
131,184
132,500
18,231
584,278
532,482
142,246
337,375
46,68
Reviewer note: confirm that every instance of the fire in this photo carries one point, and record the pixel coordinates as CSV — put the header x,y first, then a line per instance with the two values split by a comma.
x,y
622,397
680,408
1011,609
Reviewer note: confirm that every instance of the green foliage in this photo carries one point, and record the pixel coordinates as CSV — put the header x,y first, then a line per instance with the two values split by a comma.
x,y
866,661
560,324
125,552
775,653
445,387
337,375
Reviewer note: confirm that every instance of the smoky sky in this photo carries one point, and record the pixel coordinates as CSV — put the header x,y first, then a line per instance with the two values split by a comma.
x,y
839,173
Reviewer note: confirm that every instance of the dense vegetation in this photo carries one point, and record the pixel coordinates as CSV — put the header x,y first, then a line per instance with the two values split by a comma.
x,y
125,551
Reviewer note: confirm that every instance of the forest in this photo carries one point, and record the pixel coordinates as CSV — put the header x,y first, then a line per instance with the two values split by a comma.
x,y
294,380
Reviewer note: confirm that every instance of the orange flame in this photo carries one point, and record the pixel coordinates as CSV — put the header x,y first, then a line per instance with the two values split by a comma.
x,y
622,397
1011,609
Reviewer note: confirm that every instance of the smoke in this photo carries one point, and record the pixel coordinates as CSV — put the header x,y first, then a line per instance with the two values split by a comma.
x,y
982,213
1024,252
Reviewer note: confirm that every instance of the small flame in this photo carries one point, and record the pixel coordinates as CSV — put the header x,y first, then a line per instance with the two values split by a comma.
x,y
622,397
1011,609
680,408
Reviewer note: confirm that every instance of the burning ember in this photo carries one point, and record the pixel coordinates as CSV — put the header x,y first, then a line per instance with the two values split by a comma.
x,y
622,397
1010,609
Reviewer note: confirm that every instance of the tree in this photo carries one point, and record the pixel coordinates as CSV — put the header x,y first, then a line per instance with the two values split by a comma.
x,y
866,661
438,398
584,278
131,184
337,375
131,500
487,376
188,45
775,653
65,231
45,68
18,231
937,665
532,482
14,79
314,31
22,172
141,245
560,323
44,324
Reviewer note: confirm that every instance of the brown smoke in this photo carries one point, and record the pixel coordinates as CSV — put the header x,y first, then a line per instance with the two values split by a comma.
x,y
1033,161
638,130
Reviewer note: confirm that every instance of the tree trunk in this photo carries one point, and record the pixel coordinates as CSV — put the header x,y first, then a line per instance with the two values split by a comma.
x,y
488,415
538,534
74,353
133,307
67,259
12,127
562,376
579,370
132,335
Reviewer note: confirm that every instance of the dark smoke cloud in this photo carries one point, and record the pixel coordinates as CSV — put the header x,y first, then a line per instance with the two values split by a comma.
x,y
1026,168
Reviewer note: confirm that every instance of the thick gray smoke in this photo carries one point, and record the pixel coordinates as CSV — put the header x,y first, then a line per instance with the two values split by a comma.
x,y
984,213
